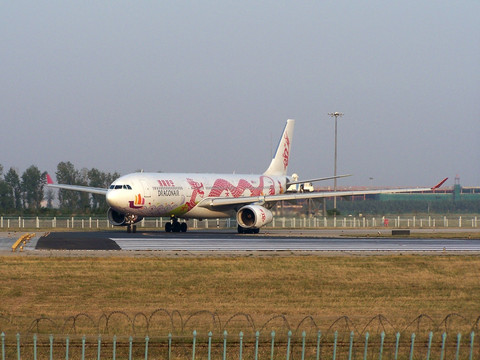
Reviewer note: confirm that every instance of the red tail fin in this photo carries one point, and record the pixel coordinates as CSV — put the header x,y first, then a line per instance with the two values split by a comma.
x,y
439,184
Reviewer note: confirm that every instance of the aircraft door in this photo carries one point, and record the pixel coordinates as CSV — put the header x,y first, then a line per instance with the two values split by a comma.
x,y
146,189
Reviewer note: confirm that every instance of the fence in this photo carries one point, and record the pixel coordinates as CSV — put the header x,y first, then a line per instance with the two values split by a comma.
x,y
239,346
465,222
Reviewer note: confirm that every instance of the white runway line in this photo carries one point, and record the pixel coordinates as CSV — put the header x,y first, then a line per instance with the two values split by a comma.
x,y
296,244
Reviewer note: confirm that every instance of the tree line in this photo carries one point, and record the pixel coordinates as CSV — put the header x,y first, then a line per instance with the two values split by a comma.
x,y
28,194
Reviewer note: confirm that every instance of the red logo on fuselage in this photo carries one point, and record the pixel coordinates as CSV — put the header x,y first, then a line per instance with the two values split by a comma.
x,y
286,151
166,183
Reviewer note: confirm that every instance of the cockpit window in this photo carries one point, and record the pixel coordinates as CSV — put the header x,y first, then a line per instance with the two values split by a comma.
x,y
126,187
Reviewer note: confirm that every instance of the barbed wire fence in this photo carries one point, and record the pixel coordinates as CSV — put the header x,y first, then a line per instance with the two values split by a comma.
x,y
162,322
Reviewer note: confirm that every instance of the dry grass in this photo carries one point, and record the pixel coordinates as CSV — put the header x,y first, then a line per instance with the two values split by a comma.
x,y
399,287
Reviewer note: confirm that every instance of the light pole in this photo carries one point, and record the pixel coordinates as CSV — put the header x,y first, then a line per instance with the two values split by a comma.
x,y
336,115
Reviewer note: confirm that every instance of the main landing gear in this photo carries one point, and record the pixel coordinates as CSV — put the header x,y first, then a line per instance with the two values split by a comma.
x,y
175,226
131,228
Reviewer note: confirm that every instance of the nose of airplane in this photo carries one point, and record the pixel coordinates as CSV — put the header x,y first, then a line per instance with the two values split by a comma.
x,y
114,199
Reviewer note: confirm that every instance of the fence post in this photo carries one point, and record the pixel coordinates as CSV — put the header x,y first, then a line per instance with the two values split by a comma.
x,y
382,339
34,346
194,343
257,337
457,354
442,352
366,346
225,334
430,337
240,352
334,356
397,341
3,346
289,339
83,341
146,347
130,345
272,348
304,335
18,347
412,345
67,345
319,335
209,345
51,346
350,349
114,351
99,346
472,337
169,346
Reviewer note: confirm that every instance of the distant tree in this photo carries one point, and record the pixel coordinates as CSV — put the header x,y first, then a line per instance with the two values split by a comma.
x,y
33,182
67,174
97,179
49,196
13,180
84,204
6,201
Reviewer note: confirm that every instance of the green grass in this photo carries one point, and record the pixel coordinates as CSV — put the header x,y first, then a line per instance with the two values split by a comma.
x,y
325,287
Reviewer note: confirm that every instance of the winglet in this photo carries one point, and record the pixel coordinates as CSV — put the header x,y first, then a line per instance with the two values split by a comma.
x,y
439,184
49,179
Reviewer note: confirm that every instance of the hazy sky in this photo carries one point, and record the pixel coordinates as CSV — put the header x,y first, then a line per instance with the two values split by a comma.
x,y
206,86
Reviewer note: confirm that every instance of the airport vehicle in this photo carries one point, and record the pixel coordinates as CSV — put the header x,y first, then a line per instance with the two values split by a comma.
x,y
200,196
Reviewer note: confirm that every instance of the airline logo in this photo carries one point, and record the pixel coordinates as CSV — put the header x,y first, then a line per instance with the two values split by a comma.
x,y
166,183
263,215
286,151
138,203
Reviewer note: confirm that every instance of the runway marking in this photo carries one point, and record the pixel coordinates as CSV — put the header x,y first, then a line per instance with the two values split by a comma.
x,y
295,244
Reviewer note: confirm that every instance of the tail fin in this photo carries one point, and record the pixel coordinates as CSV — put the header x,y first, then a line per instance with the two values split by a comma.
x,y
279,163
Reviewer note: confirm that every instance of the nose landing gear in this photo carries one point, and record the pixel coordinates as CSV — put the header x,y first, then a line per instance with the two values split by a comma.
x,y
131,219
175,226
131,228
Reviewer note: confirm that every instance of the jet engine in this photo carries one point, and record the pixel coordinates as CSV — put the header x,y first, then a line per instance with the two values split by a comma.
x,y
253,216
119,219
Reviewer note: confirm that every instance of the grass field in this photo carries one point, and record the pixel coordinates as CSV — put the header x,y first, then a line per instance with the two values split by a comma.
x,y
399,287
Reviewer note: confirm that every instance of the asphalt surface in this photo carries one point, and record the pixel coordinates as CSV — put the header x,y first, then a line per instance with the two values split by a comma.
x,y
230,241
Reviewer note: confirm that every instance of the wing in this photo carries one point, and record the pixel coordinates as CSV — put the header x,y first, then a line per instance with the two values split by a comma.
x,y
218,202
89,189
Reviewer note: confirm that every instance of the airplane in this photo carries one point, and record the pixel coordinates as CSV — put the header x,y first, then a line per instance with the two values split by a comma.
x,y
249,198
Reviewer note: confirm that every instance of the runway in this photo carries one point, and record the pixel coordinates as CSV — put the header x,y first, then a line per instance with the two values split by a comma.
x,y
232,242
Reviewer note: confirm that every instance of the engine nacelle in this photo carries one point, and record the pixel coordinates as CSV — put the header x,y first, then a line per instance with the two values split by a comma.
x,y
119,219
253,216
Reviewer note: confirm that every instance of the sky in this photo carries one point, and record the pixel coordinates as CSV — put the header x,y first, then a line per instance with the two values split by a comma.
x,y
207,86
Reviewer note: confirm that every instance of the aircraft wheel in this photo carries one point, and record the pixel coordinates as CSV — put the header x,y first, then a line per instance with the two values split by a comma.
x,y
183,227
134,228
240,230
176,227
168,227
255,231
129,229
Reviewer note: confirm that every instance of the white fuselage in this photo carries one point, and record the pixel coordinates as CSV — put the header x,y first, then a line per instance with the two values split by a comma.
x,y
163,194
